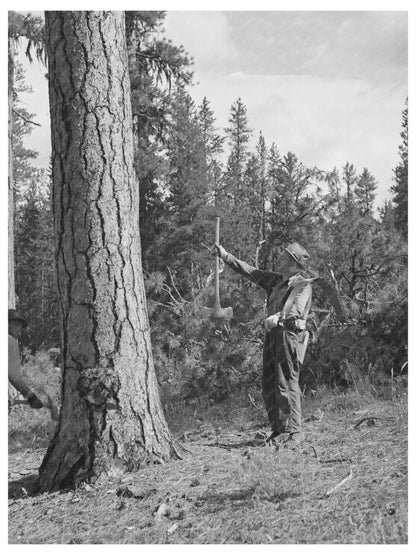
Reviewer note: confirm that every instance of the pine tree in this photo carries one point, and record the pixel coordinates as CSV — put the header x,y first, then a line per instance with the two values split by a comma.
x,y
334,196
187,224
387,214
256,187
35,265
23,124
261,150
212,144
30,27
365,192
155,66
234,199
349,176
238,134
106,347
400,188
296,203
250,211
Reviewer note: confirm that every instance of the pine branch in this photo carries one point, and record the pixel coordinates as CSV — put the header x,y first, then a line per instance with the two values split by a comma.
x,y
25,119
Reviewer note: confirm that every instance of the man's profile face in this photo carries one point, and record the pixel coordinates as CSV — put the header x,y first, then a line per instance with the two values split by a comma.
x,y
286,264
15,328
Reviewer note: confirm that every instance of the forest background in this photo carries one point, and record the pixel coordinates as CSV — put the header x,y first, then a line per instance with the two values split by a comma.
x,y
189,170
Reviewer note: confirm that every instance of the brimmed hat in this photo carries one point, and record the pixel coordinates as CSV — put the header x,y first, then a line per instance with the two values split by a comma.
x,y
297,252
14,315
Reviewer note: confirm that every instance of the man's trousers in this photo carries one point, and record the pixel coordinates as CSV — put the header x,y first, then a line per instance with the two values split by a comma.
x,y
281,392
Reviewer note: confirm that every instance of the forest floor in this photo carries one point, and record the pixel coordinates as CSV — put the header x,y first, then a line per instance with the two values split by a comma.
x,y
347,483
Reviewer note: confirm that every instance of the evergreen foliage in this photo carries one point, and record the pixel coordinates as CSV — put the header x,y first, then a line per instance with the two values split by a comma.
x,y
22,126
31,28
400,187
155,66
365,192
188,171
35,265
233,201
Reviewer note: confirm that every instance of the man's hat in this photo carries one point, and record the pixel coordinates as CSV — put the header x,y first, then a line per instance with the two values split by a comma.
x,y
298,253
14,315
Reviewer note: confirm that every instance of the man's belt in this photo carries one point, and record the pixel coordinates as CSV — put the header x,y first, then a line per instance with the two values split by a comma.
x,y
293,324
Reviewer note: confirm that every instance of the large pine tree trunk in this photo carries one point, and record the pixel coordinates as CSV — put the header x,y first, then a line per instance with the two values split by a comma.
x,y
106,351
11,283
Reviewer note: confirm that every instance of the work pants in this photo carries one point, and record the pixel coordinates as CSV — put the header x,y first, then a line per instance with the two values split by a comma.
x,y
281,392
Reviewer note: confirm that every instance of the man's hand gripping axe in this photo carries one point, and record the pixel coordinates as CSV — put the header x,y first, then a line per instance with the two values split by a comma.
x,y
217,313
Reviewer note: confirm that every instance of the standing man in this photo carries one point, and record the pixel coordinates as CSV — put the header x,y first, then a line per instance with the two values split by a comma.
x,y
16,324
289,297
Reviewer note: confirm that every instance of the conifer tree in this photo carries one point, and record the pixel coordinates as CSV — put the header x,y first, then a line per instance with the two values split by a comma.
x,y
105,336
212,144
23,125
261,150
238,135
400,188
349,176
365,192
35,264
234,201
334,196
31,28
189,186
250,210
155,66
256,186
295,201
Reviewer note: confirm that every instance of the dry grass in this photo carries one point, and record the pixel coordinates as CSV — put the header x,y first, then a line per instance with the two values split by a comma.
x,y
228,492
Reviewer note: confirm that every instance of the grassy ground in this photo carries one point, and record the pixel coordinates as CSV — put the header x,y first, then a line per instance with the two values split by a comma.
x,y
346,484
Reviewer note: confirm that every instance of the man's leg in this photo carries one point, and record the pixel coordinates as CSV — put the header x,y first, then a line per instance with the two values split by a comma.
x,y
276,391
292,370
271,385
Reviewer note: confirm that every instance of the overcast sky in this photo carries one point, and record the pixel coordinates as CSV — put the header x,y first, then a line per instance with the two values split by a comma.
x,y
329,86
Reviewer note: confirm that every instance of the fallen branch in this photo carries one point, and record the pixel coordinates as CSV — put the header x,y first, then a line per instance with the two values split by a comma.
x,y
220,445
335,460
341,483
315,453
370,418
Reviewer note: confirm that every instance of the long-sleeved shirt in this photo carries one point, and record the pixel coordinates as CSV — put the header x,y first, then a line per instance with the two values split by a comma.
x,y
277,289
15,374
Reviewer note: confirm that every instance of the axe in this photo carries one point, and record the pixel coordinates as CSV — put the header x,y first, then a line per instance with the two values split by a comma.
x,y
50,404
217,313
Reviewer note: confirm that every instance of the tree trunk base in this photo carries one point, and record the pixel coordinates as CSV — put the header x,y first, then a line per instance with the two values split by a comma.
x,y
69,462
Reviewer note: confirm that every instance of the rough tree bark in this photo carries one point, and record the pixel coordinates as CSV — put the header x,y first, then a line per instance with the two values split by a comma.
x,y
106,351
11,282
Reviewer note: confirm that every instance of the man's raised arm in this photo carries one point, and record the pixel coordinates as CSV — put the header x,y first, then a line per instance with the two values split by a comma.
x,y
263,278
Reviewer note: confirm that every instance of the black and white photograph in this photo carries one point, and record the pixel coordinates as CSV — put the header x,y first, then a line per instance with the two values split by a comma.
x,y
207,275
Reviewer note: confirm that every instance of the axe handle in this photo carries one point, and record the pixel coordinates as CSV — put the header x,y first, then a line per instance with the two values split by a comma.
x,y
217,264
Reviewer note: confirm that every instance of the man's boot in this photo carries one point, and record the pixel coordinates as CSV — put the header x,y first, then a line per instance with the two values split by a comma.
x,y
294,439
276,437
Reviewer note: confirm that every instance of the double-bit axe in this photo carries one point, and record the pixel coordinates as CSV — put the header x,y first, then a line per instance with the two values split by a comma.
x,y
217,313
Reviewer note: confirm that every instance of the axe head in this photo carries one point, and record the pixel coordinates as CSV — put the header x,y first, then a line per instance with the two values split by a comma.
x,y
217,313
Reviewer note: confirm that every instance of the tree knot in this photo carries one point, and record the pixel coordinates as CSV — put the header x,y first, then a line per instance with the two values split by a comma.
x,y
98,385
